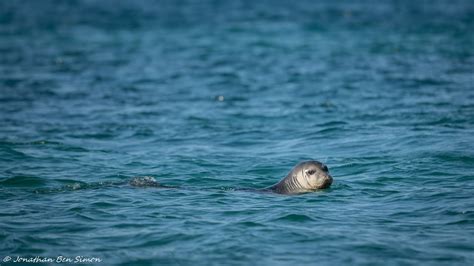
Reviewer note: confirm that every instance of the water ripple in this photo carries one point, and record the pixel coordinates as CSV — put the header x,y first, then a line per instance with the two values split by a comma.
x,y
217,99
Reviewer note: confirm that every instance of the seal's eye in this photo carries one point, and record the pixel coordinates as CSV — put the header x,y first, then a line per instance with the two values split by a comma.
x,y
311,172
325,168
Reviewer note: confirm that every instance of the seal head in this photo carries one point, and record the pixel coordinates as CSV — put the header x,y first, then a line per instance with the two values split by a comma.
x,y
304,177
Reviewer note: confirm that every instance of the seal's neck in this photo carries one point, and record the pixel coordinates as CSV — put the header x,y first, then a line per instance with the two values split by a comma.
x,y
289,185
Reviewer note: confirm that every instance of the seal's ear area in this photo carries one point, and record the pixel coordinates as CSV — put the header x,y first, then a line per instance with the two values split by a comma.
x,y
310,172
325,168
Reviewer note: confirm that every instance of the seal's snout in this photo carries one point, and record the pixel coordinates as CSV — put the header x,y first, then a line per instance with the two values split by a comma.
x,y
330,179
327,182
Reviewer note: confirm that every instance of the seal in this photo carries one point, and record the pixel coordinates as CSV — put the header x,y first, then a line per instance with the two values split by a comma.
x,y
304,177
144,181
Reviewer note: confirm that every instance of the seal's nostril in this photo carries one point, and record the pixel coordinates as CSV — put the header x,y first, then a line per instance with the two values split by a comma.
x,y
329,180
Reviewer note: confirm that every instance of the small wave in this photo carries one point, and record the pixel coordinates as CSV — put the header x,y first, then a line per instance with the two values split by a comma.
x,y
43,143
294,218
465,222
79,185
23,181
250,224
103,204
455,157
333,124
329,129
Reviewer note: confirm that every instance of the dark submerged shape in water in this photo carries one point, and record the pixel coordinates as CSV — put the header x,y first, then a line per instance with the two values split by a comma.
x,y
304,177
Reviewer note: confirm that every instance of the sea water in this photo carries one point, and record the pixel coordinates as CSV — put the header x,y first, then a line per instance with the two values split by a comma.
x,y
214,96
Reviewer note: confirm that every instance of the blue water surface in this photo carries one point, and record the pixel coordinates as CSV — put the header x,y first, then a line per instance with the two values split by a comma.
x,y
214,96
